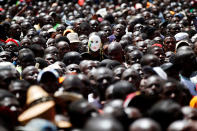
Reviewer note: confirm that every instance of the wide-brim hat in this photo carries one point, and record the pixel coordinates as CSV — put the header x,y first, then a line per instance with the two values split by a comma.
x,y
39,104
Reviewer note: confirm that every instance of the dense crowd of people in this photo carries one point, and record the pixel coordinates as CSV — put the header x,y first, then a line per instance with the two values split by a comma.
x,y
98,65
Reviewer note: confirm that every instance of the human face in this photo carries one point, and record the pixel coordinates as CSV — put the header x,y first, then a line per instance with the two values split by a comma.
x,y
153,85
142,46
63,48
131,76
5,56
119,30
72,68
11,46
169,43
51,59
30,74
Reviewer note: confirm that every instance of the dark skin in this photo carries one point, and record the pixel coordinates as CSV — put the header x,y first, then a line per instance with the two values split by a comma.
x,y
171,90
87,88
87,65
138,68
72,68
187,60
107,29
195,47
73,84
12,104
119,31
6,76
99,124
5,56
63,48
11,46
118,72
50,58
132,76
45,34
134,57
26,59
142,46
60,29
15,31
30,74
19,89
169,44
115,52
153,86
51,42
158,51
104,77
145,124
189,113
26,42
31,34
94,25
52,50
150,60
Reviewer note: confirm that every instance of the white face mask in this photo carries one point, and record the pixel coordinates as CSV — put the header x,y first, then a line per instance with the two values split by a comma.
x,y
94,43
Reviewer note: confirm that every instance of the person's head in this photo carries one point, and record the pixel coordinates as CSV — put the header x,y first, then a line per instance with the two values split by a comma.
x,y
145,124
179,125
60,29
142,46
134,57
158,51
72,58
74,41
50,58
9,101
131,75
48,78
30,74
15,31
5,56
84,28
52,50
150,60
26,58
173,90
119,31
19,89
107,29
63,47
47,19
72,68
87,65
25,42
72,83
104,78
94,25
80,110
169,43
186,59
121,89
99,124
165,112
118,72
153,86
115,51
11,46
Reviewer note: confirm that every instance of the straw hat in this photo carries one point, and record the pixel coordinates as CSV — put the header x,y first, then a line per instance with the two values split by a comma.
x,y
40,105
73,37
